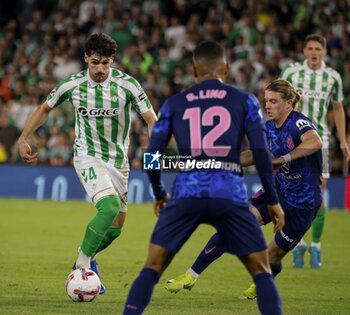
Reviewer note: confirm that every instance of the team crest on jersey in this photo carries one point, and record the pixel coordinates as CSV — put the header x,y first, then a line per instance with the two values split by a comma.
x,y
290,143
114,97
302,123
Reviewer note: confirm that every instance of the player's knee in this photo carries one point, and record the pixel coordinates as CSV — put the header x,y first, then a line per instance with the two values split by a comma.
x,y
256,263
109,207
275,257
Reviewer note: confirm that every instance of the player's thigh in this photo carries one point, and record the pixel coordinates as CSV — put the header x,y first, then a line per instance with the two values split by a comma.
x,y
256,262
238,228
98,178
177,221
297,222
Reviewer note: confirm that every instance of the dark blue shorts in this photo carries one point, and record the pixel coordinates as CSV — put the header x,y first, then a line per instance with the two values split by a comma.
x,y
297,221
236,225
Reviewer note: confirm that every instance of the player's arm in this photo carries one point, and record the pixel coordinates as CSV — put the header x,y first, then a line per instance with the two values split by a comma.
x,y
310,143
159,139
33,123
150,118
339,118
246,158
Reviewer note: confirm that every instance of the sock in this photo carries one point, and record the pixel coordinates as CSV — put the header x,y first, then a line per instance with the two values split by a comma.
x,y
112,233
108,209
301,243
268,298
83,260
276,269
317,245
192,273
141,292
212,251
317,226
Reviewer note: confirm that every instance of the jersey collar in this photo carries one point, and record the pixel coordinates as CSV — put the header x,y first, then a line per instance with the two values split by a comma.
x,y
308,69
105,83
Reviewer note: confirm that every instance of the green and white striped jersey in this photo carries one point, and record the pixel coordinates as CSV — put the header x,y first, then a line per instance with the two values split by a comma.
x,y
317,90
102,113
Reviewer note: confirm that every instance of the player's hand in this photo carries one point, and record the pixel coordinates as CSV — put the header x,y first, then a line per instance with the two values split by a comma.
x,y
346,151
277,216
277,162
25,151
159,204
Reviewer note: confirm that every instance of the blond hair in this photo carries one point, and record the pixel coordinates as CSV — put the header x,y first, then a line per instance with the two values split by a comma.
x,y
286,89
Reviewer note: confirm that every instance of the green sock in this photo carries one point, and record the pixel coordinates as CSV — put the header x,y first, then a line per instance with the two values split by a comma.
x,y
317,226
107,210
112,233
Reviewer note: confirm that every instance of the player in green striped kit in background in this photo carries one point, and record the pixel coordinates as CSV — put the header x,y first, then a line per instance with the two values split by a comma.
x,y
319,86
102,98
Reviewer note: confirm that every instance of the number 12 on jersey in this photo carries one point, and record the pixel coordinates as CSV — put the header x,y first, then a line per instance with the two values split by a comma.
x,y
206,143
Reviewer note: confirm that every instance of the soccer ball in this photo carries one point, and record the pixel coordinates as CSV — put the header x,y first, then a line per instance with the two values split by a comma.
x,y
83,285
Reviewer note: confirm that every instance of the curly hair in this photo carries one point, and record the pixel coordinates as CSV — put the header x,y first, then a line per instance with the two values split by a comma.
x,y
101,44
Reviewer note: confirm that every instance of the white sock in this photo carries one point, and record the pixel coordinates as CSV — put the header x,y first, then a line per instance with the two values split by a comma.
x,y
317,245
193,273
83,261
302,243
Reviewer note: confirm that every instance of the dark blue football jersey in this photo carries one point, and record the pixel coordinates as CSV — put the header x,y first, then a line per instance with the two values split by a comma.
x,y
209,121
298,182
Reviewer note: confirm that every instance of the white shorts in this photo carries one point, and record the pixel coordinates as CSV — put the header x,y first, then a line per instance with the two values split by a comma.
x,y
101,179
325,157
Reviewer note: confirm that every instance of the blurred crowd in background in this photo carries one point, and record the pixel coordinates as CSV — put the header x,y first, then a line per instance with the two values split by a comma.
x,y
42,42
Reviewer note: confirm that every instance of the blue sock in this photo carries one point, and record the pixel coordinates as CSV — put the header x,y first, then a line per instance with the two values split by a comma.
x,y
276,269
141,292
212,251
268,298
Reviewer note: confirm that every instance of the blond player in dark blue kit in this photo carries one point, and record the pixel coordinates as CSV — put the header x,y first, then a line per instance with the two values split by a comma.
x,y
209,121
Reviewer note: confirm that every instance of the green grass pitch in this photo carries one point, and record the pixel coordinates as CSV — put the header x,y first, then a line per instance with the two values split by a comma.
x,y
39,240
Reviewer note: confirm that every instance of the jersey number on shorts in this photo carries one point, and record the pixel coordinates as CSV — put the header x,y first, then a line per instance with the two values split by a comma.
x,y
197,120
88,174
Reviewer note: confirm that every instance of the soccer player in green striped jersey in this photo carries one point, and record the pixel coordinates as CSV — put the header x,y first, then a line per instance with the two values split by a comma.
x,y
102,98
319,86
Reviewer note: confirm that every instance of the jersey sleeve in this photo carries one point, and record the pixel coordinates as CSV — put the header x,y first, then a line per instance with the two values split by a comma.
x,y
60,93
337,91
162,130
138,97
286,73
301,125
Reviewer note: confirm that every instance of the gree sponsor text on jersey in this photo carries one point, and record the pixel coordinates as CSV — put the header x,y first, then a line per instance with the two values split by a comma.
x,y
99,112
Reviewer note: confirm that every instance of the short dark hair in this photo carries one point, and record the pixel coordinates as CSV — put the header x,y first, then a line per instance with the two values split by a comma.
x,y
318,38
101,44
209,49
